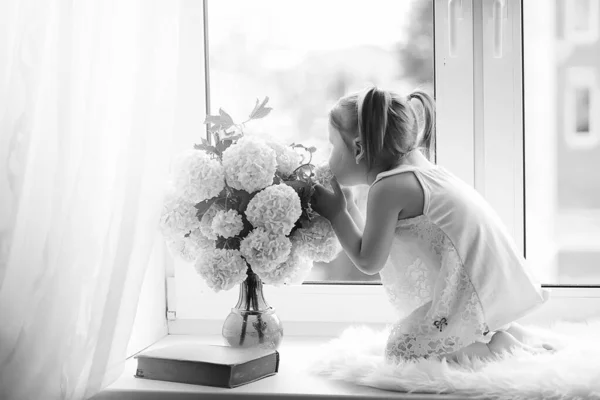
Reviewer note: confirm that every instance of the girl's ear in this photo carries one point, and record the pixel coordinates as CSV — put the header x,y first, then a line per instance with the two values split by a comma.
x,y
359,151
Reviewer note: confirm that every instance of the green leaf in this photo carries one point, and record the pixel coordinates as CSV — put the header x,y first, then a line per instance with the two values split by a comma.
x,y
223,202
224,145
207,148
247,228
229,243
239,199
260,110
263,112
256,106
203,207
226,120
311,149
214,128
219,122
234,138
277,178
212,119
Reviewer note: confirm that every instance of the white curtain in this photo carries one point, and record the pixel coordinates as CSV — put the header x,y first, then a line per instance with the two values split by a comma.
x,y
87,104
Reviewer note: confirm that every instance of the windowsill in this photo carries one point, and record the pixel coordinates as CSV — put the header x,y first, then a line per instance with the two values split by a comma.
x,y
293,381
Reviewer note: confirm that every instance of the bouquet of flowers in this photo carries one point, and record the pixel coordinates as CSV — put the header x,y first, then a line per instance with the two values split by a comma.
x,y
240,204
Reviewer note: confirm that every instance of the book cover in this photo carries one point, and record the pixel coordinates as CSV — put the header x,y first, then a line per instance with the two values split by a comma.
x,y
208,365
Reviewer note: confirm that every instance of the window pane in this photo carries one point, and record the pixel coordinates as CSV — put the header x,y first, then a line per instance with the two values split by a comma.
x,y
582,110
304,55
562,147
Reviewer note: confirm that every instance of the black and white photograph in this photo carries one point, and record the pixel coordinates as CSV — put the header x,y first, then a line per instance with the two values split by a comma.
x,y
299,199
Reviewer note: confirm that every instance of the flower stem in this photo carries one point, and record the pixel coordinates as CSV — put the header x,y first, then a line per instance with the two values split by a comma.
x,y
253,283
302,166
247,306
244,325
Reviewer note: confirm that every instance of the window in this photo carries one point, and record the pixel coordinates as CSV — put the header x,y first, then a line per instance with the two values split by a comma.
x,y
501,73
562,155
305,60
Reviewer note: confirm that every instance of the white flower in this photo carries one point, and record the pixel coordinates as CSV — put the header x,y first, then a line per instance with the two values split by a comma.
x,y
317,240
227,223
207,220
276,208
265,250
182,248
192,247
204,243
178,216
250,164
197,176
293,271
222,269
287,158
323,175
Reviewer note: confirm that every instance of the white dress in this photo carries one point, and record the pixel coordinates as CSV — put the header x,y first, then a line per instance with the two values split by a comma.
x,y
454,273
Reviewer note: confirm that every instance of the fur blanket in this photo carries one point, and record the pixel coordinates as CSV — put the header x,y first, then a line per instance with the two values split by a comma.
x,y
571,372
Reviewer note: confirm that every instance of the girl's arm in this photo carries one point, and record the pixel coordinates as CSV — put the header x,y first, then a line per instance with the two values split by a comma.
x,y
369,250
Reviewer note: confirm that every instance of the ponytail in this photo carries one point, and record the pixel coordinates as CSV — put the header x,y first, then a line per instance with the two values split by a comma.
x,y
386,124
373,109
427,125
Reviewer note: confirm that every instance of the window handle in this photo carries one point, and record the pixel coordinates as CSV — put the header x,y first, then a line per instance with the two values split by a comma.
x,y
498,16
454,15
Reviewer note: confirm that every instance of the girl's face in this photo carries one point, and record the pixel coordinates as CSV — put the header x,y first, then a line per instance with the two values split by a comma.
x,y
342,161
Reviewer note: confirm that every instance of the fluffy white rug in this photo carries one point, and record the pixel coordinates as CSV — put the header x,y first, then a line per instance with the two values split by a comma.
x,y
572,372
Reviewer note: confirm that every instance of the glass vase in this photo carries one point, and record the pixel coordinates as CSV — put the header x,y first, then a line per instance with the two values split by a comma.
x,y
252,322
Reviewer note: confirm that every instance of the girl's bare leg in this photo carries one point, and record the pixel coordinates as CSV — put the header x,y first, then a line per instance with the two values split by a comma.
x,y
501,342
476,349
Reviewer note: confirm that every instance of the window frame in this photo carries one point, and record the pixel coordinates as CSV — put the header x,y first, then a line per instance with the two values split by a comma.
x,y
499,133
466,107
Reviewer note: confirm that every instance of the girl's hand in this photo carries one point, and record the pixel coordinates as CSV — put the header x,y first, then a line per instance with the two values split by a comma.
x,y
329,204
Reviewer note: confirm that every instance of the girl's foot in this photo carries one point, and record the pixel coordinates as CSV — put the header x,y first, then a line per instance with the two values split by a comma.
x,y
502,341
525,335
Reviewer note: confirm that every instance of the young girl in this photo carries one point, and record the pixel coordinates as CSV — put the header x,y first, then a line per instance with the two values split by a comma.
x,y
445,259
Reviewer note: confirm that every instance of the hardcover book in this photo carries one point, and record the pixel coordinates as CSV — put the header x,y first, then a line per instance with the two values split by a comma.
x,y
208,365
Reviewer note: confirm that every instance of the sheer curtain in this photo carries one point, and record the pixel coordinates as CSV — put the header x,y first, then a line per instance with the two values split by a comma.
x,y
87,108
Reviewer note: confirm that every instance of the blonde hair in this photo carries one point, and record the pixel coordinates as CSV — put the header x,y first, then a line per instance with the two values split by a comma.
x,y
387,124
